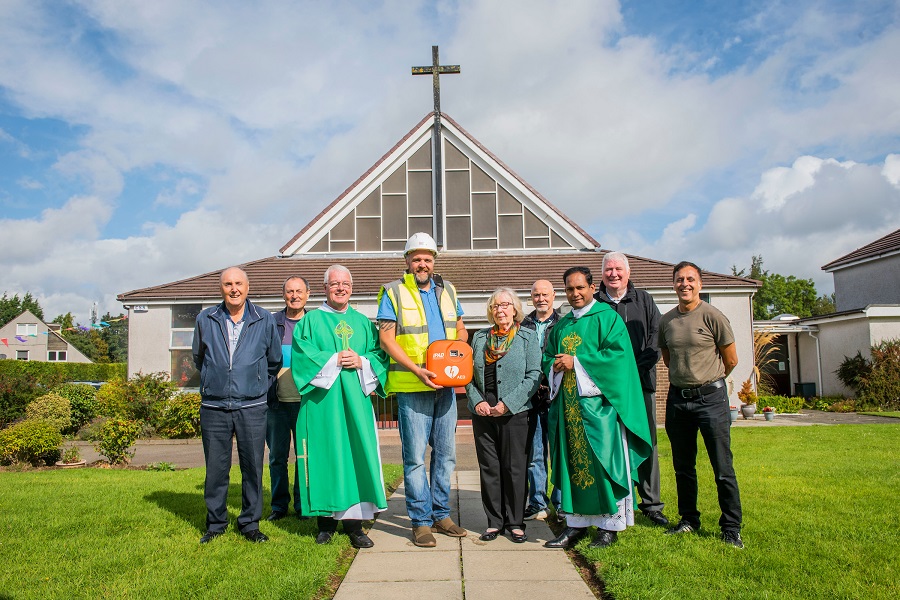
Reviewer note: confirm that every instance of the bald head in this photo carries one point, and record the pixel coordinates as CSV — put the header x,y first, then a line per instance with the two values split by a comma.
x,y
235,287
542,297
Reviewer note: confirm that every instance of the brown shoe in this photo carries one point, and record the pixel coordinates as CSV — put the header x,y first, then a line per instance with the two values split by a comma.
x,y
423,538
448,527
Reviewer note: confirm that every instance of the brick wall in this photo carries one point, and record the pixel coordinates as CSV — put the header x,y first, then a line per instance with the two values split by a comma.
x,y
662,390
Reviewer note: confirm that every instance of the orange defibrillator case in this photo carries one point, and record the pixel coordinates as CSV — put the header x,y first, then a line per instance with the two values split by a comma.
x,y
450,361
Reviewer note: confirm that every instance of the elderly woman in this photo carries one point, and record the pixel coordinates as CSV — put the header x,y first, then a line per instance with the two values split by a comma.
x,y
507,372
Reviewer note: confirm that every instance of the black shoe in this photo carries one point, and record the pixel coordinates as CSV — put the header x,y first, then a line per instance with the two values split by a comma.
x,y
536,513
276,515
567,538
255,535
358,539
489,536
657,517
324,537
518,538
604,538
302,517
682,527
210,535
733,537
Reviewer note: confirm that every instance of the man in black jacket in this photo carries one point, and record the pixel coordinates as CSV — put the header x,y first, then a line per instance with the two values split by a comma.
x,y
641,316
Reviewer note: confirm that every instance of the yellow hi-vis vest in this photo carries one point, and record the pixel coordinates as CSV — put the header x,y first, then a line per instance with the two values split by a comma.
x,y
412,328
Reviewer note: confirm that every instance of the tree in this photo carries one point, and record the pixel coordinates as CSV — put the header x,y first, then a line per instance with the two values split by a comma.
x,y
779,294
103,344
12,307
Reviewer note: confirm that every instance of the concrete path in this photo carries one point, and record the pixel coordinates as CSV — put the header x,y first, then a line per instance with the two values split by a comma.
x,y
459,568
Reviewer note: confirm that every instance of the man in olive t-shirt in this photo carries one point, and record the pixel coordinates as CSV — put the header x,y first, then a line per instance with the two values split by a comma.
x,y
697,346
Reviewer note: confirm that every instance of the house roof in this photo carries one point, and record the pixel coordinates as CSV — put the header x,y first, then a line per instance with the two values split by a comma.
x,y
470,273
889,244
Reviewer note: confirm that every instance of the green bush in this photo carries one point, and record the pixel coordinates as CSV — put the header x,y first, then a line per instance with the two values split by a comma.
x,y
781,404
110,398
52,374
83,399
843,406
852,370
114,439
16,392
178,417
134,398
879,388
32,441
53,409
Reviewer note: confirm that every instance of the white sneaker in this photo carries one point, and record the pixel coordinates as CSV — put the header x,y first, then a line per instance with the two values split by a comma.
x,y
539,515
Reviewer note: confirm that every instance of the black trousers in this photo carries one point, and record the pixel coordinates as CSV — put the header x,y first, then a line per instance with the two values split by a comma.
x,y
708,414
217,429
648,471
502,445
330,525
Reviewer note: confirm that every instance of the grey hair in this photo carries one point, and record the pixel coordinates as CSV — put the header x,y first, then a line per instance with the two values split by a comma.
x,y
517,304
339,268
615,256
303,279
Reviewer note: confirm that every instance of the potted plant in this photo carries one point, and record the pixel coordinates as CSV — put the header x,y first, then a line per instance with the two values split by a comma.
x,y
747,397
769,413
71,458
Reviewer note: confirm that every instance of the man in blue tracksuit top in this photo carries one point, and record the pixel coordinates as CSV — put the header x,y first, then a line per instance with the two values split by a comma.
x,y
237,350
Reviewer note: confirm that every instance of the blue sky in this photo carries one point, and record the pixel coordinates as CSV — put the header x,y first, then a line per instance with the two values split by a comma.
x,y
146,142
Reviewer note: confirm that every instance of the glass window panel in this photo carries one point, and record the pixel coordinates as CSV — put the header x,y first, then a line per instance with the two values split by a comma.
x,y
533,225
456,194
371,206
484,244
396,182
459,235
417,224
344,230
368,234
481,181
26,328
343,247
484,215
422,157
537,242
182,339
557,241
508,204
321,245
184,374
420,198
185,315
511,231
453,158
391,246
393,217
21,354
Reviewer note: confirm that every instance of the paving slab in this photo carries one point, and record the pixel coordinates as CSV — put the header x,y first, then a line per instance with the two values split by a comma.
x,y
434,565
401,590
513,565
544,590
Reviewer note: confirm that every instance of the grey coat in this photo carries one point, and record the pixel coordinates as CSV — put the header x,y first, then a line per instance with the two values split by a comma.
x,y
518,372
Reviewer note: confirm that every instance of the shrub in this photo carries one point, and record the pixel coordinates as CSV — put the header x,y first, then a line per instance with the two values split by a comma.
x,y
32,441
852,370
114,439
843,406
746,395
134,398
52,408
178,417
52,374
71,455
879,387
783,404
16,392
83,399
160,466
110,398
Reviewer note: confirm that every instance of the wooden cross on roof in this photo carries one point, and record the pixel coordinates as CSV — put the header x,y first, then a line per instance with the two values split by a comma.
x,y
436,70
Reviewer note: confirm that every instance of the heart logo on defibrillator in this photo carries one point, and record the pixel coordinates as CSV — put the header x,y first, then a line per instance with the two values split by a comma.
x,y
451,371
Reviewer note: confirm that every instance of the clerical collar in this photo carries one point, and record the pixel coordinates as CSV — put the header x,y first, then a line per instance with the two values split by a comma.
x,y
328,308
579,312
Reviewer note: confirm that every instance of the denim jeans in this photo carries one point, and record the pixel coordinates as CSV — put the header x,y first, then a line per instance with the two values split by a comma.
x,y
710,416
427,419
537,469
281,428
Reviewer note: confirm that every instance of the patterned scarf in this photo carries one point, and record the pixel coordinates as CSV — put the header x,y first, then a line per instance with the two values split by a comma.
x,y
499,343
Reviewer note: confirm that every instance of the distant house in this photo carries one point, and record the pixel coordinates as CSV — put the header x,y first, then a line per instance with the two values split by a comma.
x,y
28,338
867,298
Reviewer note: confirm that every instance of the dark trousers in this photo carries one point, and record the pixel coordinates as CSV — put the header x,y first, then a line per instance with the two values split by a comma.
x,y
708,414
330,525
502,447
217,428
281,428
648,471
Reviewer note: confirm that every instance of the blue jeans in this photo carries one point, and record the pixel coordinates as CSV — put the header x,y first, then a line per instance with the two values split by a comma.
x,y
537,469
281,427
427,419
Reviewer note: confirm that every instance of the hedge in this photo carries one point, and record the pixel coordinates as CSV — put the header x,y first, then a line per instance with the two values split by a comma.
x,y
50,374
781,404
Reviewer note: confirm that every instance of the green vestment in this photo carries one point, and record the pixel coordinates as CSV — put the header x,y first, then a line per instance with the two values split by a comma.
x,y
587,457
338,464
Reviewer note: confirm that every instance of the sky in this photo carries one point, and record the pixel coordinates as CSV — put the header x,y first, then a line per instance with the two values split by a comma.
x,y
145,142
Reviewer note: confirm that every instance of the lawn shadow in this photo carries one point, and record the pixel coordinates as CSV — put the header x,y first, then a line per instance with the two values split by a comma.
x,y
191,507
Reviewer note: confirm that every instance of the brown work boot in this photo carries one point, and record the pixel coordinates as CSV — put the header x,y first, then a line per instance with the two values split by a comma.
x,y
448,527
423,538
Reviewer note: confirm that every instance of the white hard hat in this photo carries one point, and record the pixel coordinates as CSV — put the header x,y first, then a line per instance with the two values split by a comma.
x,y
420,241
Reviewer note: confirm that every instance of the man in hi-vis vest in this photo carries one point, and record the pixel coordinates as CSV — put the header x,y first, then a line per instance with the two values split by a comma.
x,y
414,311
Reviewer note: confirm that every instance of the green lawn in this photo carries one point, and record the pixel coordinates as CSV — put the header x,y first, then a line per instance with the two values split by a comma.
x,y
101,533
820,521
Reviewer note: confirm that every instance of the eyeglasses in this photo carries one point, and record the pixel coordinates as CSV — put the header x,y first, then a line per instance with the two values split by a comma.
x,y
503,305
336,285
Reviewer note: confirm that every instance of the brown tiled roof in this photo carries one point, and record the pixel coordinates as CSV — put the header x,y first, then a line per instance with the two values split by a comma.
x,y
469,273
888,244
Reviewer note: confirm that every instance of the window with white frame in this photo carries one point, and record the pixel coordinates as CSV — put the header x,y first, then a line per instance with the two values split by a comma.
x,y
56,356
26,328
21,354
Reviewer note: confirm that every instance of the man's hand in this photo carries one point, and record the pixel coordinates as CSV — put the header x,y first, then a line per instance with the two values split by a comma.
x,y
564,362
348,359
425,376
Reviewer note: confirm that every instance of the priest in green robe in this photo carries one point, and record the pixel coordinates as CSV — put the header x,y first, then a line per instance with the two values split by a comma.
x,y
599,433
336,363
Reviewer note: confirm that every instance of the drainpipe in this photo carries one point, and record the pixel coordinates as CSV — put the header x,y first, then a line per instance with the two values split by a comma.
x,y
818,362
